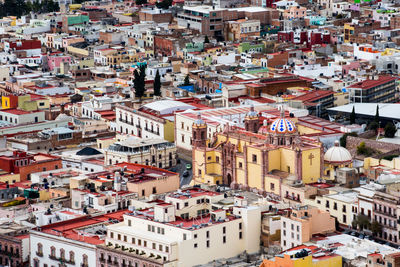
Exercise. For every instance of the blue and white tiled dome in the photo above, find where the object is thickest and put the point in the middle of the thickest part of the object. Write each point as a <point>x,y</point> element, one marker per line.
<point>282,126</point>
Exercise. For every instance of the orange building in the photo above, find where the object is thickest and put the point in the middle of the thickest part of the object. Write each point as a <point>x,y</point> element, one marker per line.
<point>41,162</point>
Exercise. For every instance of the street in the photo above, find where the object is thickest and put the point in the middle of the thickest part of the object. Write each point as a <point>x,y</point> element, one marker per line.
<point>181,168</point>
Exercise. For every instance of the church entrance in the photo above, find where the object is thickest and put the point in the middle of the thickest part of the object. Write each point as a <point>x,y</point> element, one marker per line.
<point>229,179</point>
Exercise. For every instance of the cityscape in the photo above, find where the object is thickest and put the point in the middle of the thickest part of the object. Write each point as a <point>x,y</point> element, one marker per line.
<point>200,133</point>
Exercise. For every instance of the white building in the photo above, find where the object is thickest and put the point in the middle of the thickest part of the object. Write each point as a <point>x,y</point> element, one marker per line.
<point>156,232</point>
<point>18,116</point>
<point>314,70</point>
<point>152,120</point>
<point>70,242</point>
<point>46,217</point>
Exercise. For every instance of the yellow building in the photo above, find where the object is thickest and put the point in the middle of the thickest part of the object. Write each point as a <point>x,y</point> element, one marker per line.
<point>336,157</point>
<point>304,256</point>
<point>25,102</point>
<point>348,32</point>
<point>258,157</point>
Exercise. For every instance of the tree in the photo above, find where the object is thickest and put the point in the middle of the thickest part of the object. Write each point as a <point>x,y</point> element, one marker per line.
<point>186,82</point>
<point>390,130</point>
<point>141,2</point>
<point>373,125</point>
<point>353,116</point>
<point>206,40</point>
<point>376,228</point>
<point>157,84</point>
<point>362,222</point>
<point>376,119</point>
<point>139,82</point>
<point>165,4</point>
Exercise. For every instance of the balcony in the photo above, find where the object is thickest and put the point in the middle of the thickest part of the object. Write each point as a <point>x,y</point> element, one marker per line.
<point>294,198</point>
<point>387,214</point>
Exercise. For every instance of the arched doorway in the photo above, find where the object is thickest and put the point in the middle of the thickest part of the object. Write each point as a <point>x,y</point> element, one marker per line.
<point>229,179</point>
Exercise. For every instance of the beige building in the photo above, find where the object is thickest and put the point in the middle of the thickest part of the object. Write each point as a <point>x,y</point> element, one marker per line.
<point>343,205</point>
<point>156,233</point>
<point>154,152</point>
<point>301,223</point>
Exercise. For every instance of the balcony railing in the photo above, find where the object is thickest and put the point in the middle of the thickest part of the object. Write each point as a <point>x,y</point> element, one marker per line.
<point>294,198</point>
<point>380,211</point>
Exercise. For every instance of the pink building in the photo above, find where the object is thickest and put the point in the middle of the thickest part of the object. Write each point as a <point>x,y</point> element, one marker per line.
<point>295,12</point>
<point>299,224</point>
<point>55,60</point>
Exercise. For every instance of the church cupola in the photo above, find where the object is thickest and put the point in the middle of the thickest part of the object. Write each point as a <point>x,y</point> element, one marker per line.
<point>282,130</point>
<point>251,121</point>
<point>199,132</point>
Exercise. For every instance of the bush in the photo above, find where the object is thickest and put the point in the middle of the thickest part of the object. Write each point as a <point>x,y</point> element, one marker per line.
<point>390,130</point>
<point>362,149</point>
<point>373,125</point>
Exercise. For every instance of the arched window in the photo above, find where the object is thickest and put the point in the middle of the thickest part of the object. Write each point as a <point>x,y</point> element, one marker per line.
<point>39,249</point>
<point>62,254</point>
<point>52,251</point>
<point>71,256</point>
<point>85,260</point>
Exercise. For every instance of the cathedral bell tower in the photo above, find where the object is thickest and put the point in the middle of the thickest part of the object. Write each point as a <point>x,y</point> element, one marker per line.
<point>251,121</point>
<point>199,133</point>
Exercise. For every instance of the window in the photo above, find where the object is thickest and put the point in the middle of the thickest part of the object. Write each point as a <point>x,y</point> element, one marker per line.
<point>254,158</point>
<point>217,159</point>
<point>240,235</point>
<point>39,249</point>
<point>52,251</point>
<point>272,186</point>
<point>71,256</point>
<point>208,234</point>
<point>62,254</point>
<point>85,259</point>
<point>240,226</point>
<point>208,243</point>
<point>184,236</point>
<point>195,245</point>
<point>224,230</point>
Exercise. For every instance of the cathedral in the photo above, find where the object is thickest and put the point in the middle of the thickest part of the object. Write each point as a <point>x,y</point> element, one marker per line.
<point>257,158</point>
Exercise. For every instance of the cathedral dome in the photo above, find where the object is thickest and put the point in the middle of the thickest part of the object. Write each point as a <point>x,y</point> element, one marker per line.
<point>337,154</point>
<point>282,126</point>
